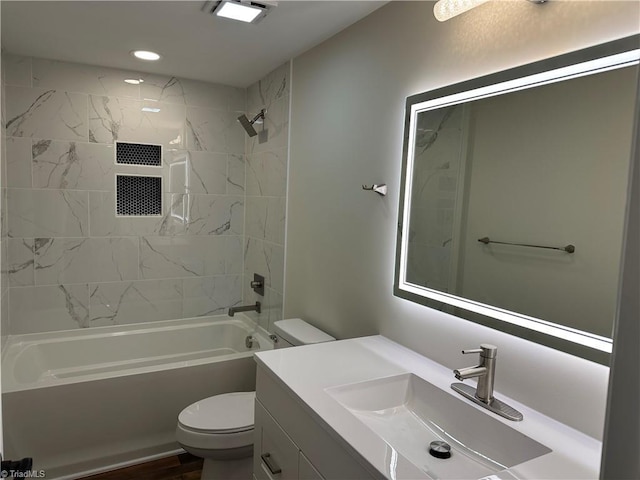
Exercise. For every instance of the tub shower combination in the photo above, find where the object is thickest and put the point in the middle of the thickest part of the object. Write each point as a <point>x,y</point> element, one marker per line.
<point>84,401</point>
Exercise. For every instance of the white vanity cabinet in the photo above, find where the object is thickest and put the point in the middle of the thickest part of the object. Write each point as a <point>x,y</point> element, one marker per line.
<point>312,420</point>
<point>289,444</point>
<point>274,453</point>
<point>306,471</point>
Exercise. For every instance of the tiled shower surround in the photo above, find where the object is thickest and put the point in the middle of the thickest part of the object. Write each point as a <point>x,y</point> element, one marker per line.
<point>432,246</point>
<point>266,189</point>
<point>72,263</point>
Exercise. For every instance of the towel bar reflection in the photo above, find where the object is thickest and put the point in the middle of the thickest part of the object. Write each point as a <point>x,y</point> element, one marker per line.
<point>567,248</point>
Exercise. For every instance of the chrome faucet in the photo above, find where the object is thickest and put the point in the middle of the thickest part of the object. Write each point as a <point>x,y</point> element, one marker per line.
<point>247,308</point>
<point>485,373</point>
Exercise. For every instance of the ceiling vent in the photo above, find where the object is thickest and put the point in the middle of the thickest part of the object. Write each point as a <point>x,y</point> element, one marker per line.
<point>240,10</point>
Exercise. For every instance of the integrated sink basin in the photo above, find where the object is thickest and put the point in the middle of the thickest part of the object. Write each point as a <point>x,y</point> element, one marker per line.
<point>409,413</point>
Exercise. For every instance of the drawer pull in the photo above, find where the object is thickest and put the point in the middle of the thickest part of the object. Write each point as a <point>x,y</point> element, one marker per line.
<point>271,465</point>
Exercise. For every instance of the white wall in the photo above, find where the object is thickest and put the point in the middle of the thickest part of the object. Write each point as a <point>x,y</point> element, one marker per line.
<point>346,129</point>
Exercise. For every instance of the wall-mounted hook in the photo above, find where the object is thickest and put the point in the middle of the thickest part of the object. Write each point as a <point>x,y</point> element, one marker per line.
<point>379,189</point>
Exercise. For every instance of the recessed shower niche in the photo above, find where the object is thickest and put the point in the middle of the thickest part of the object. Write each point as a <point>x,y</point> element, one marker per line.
<point>138,195</point>
<point>143,154</point>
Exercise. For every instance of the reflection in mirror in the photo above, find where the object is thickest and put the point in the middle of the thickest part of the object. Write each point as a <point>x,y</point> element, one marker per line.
<point>544,166</point>
<point>515,202</point>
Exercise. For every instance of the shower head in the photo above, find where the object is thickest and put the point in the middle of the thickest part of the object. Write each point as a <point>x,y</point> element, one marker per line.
<point>248,124</point>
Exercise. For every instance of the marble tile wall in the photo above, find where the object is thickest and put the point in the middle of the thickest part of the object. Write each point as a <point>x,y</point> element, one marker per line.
<point>69,262</point>
<point>266,190</point>
<point>436,174</point>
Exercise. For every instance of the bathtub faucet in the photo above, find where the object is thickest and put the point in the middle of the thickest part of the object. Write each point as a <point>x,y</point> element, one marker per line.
<point>246,308</point>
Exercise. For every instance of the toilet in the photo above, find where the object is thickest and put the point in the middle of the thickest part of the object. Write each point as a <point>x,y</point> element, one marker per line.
<point>219,429</point>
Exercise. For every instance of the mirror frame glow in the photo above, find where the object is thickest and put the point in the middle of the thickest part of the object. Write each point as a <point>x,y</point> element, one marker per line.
<point>609,56</point>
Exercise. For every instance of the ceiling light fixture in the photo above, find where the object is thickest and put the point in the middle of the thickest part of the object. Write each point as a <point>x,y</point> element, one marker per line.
<point>133,81</point>
<point>242,10</point>
<point>146,55</point>
<point>443,10</point>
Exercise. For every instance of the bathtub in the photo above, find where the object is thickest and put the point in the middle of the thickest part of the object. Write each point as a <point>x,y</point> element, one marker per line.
<point>84,401</point>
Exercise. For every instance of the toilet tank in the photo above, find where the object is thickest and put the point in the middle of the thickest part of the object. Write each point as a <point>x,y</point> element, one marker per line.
<point>295,331</point>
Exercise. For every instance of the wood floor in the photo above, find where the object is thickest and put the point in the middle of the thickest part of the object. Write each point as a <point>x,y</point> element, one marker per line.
<point>178,467</point>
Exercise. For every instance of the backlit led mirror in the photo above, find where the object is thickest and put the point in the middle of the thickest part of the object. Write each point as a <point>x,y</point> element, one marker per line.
<point>514,193</point>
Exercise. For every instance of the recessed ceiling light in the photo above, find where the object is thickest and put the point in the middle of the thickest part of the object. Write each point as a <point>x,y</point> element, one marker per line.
<point>243,11</point>
<point>133,81</point>
<point>150,109</point>
<point>146,55</point>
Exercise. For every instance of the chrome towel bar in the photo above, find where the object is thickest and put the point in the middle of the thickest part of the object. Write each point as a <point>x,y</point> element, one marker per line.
<point>568,248</point>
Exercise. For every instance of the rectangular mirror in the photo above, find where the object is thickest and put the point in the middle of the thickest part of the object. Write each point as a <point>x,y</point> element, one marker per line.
<point>514,194</point>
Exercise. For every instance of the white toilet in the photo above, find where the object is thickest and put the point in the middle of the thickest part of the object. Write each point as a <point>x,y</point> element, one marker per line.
<point>220,428</point>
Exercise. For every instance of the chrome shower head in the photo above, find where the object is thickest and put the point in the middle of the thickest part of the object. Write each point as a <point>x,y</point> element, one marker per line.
<point>248,124</point>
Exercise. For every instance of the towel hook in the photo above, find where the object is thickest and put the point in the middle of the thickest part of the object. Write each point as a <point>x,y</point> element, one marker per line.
<point>379,189</point>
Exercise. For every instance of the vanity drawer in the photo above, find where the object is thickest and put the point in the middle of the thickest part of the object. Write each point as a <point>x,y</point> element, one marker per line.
<point>306,470</point>
<point>275,456</point>
<point>330,455</point>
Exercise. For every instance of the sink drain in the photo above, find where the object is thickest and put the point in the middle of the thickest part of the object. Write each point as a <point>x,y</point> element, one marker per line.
<point>440,449</point>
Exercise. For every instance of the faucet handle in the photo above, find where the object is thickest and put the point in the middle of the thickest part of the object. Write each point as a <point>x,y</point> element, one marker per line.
<point>486,350</point>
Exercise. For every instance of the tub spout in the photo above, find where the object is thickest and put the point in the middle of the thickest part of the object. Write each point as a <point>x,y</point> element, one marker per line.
<point>247,308</point>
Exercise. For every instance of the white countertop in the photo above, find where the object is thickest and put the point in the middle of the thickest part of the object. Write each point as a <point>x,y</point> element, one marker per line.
<point>307,371</point>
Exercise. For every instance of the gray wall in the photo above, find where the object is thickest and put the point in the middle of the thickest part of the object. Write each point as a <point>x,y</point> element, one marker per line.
<point>346,129</point>
<point>4,316</point>
<point>622,432</point>
<point>562,167</point>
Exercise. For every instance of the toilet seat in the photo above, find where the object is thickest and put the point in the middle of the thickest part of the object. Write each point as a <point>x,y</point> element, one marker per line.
<point>220,422</point>
<point>221,414</point>
<point>213,441</point>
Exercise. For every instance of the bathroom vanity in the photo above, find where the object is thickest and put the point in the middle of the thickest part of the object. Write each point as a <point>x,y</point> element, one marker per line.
<point>369,408</point>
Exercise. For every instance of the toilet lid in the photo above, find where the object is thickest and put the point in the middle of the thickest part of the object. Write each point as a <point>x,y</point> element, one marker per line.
<point>226,413</point>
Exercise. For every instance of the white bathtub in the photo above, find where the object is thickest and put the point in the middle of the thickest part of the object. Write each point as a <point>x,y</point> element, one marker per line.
<point>85,401</point>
